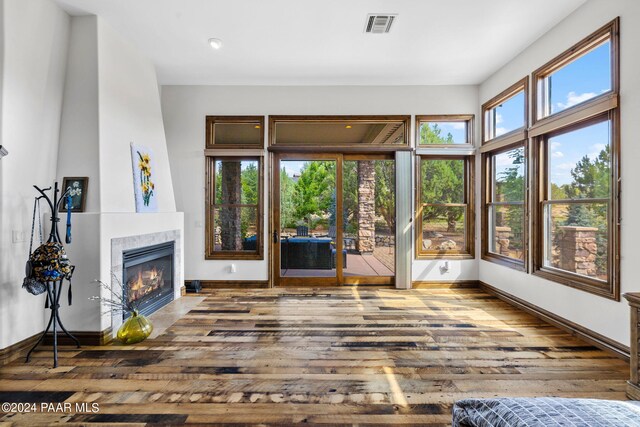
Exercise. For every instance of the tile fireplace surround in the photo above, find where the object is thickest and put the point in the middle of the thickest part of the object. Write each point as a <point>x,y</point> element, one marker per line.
<point>121,244</point>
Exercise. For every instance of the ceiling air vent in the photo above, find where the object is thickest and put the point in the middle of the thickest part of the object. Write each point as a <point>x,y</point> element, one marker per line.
<point>379,24</point>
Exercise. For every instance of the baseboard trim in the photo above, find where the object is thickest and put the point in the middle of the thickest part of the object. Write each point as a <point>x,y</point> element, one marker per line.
<point>633,391</point>
<point>586,334</point>
<point>232,284</point>
<point>86,338</point>
<point>445,284</point>
<point>17,350</point>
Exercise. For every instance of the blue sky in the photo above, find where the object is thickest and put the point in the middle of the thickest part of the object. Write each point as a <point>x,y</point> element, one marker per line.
<point>458,130</point>
<point>510,114</point>
<point>567,149</point>
<point>580,80</point>
<point>292,166</point>
<point>583,79</point>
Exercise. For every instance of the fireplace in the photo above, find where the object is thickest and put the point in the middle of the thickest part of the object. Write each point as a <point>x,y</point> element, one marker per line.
<point>148,277</point>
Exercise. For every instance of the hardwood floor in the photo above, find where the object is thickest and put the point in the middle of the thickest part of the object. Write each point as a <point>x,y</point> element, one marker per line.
<point>326,356</point>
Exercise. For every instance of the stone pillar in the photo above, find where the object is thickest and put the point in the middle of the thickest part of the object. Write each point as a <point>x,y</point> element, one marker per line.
<point>366,206</point>
<point>503,236</point>
<point>578,250</point>
<point>230,218</point>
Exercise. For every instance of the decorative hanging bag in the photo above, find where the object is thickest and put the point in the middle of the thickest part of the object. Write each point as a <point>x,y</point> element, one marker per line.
<point>30,283</point>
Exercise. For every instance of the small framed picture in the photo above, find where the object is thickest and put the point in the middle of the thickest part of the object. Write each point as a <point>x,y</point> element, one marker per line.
<point>78,190</point>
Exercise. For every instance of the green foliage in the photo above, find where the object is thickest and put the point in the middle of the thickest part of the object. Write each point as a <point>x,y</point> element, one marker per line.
<point>249,180</point>
<point>443,182</point>
<point>249,193</point>
<point>558,192</point>
<point>510,187</point>
<point>386,192</point>
<point>432,134</point>
<point>314,189</point>
<point>350,196</point>
<point>287,200</point>
<point>249,184</point>
<point>591,180</point>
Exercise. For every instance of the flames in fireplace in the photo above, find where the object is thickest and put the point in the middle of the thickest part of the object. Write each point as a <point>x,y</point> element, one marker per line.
<point>144,283</point>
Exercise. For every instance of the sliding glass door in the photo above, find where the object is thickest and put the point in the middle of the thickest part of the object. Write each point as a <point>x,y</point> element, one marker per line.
<point>333,219</point>
<point>369,212</point>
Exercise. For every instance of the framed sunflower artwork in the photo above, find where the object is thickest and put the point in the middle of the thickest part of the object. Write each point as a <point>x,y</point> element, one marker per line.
<point>144,178</point>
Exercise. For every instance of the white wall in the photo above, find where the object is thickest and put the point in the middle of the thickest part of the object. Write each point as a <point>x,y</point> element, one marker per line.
<point>185,107</point>
<point>35,49</point>
<point>79,133</point>
<point>607,317</point>
<point>129,112</point>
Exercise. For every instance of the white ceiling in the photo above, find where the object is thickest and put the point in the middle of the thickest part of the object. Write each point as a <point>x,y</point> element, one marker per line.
<point>304,42</point>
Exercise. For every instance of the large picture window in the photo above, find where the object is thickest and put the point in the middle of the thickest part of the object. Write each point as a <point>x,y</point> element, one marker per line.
<point>576,146</point>
<point>504,206</point>
<point>444,227</point>
<point>234,208</point>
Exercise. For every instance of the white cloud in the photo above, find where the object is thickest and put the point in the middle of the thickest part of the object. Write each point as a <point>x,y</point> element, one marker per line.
<point>557,154</point>
<point>499,118</point>
<point>453,125</point>
<point>574,99</point>
<point>458,125</point>
<point>500,131</point>
<point>564,166</point>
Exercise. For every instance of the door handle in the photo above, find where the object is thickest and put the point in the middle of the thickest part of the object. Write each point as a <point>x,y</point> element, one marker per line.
<point>275,237</point>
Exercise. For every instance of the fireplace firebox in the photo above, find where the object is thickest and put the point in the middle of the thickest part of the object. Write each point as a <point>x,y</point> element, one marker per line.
<point>148,277</point>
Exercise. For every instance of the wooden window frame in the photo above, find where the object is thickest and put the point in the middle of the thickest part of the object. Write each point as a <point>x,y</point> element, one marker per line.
<point>611,32</point>
<point>514,135</point>
<point>487,196</point>
<point>611,288</point>
<point>211,121</point>
<point>210,206</point>
<point>601,108</point>
<point>469,119</point>
<point>469,194</point>
<point>344,148</point>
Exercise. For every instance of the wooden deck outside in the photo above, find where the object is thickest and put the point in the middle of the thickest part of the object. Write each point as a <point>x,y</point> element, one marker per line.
<point>324,356</point>
<point>357,265</point>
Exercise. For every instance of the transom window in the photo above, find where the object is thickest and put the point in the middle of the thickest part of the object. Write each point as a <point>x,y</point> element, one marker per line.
<point>445,207</point>
<point>444,130</point>
<point>581,74</point>
<point>235,132</point>
<point>506,114</point>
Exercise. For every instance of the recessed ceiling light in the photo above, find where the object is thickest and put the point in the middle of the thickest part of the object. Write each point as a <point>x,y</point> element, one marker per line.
<point>215,43</point>
<point>347,127</point>
<point>257,126</point>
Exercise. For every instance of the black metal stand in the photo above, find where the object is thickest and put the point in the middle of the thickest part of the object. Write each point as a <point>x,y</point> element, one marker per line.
<point>54,289</point>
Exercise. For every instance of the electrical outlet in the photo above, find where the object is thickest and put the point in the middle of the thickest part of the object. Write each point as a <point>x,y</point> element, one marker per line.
<point>19,236</point>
